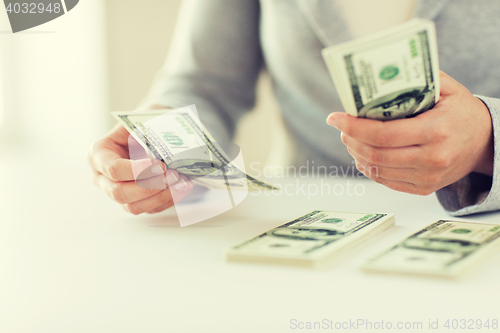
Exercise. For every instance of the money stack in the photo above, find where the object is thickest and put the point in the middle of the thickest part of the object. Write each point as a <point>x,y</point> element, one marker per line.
<point>389,75</point>
<point>311,240</point>
<point>444,248</point>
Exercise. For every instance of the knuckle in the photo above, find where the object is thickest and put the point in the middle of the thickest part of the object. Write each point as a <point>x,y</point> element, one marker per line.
<point>90,152</point>
<point>347,128</point>
<point>360,167</point>
<point>343,138</point>
<point>373,171</point>
<point>158,200</point>
<point>163,197</point>
<point>113,171</point>
<point>149,192</point>
<point>92,149</point>
<point>373,155</point>
<point>116,193</point>
<point>376,179</point>
<point>440,132</point>
<point>95,180</point>
<point>440,159</point>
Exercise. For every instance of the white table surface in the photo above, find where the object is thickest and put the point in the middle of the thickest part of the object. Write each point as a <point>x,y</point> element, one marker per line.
<point>72,261</point>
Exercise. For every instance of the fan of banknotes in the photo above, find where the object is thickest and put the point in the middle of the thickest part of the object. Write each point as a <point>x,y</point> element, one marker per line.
<point>389,75</point>
<point>179,139</point>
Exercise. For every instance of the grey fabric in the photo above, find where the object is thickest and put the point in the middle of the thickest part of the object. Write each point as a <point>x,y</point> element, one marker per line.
<point>220,46</point>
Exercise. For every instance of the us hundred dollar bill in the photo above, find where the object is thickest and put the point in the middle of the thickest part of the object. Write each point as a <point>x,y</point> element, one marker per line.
<point>389,75</point>
<point>311,240</point>
<point>444,248</point>
<point>178,138</point>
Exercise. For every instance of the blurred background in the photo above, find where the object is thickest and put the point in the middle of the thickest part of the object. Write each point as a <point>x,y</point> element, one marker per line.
<point>59,81</point>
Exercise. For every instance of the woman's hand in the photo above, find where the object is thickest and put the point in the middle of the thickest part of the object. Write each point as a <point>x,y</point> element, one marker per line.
<point>423,154</point>
<point>139,186</point>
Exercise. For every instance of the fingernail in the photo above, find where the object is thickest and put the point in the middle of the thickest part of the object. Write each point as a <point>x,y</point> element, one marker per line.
<point>157,169</point>
<point>332,121</point>
<point>172,178</point>
<point>182,185</point>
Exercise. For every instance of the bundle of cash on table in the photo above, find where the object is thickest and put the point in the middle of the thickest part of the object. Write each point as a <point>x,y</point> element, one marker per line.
<point>311,240</point>
<point>444,248</point>
<point>389,75</point>
<point>179,139</point>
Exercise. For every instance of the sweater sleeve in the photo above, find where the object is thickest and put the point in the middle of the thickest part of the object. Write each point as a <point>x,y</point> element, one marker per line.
<point>477,193</point>
<point>214,62</point>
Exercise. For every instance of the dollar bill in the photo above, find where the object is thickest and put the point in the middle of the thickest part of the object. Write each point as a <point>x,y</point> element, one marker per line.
<point>444,248</point>
<point>392,74</point>
<point>178,138</point>
<point>311,240</point>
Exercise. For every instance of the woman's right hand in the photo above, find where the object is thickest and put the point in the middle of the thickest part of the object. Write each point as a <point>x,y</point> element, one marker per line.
<point>139,186</point>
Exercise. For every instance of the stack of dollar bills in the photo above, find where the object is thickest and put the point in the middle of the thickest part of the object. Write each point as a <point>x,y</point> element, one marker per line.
<point>311,240</point>
<point>389,75</point>
<point>444,248</point>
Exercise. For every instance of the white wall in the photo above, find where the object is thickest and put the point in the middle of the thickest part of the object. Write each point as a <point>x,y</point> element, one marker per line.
<point>55,83</point>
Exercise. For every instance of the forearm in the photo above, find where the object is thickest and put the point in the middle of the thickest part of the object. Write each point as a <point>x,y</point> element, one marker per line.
<point>212,65</point>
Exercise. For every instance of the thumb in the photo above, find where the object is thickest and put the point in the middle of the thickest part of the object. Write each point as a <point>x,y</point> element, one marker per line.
<point>337,119</point>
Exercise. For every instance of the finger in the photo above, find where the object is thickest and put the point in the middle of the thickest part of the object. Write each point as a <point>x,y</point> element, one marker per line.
<point>108,162</point>
<point>404,187</point>
<point>448,85</point>
<point>374,171</point>
<point>398,185</point>
<point>400,157</point>
<point>119,134</point>
<point>181,188</point>
<point>177,196</point>
<point>130,191</point>
<point>125,192</point>
<point>175,193</point>
<point>394,133</point>
<point>110,156</point>
<point>162,207</point>
<point>159,182</point>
